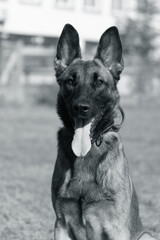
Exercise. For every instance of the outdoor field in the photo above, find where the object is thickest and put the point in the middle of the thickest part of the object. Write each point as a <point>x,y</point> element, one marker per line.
<point>27,157</point>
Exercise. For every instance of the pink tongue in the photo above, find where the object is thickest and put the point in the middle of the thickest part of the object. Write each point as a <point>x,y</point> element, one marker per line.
<point>81,143</point>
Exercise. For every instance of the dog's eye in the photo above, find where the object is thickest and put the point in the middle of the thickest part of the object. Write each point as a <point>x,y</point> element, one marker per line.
<point>70,81</point>
<point>98,82</point>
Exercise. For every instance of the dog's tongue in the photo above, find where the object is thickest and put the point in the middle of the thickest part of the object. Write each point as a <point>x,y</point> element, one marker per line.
<point>81,143</point>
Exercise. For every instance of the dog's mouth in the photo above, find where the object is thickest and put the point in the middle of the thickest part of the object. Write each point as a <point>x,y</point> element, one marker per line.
<point>87,131</point>
<point>81,143</point>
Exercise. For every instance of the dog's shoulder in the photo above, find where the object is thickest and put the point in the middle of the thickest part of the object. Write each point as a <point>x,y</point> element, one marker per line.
<point>112,170</point>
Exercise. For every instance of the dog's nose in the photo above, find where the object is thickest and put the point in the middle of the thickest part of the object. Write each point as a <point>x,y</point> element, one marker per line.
<point>81,108</point>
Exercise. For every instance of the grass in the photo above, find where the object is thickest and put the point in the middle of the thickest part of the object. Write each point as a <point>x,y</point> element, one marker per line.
<point>27,156</point>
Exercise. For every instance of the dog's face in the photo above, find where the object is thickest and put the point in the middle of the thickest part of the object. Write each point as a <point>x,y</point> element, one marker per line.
<point>88,88</point>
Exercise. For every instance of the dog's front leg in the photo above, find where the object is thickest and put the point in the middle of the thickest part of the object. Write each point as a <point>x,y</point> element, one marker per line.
<point>69,221</point>
<point>67,207</point>
<point>112,177</point>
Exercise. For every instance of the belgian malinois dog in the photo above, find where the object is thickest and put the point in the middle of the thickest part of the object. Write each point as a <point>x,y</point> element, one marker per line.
<point>92,192</point>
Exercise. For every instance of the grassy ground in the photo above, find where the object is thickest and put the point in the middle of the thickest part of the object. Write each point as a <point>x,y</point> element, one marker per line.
<point>27,156</point>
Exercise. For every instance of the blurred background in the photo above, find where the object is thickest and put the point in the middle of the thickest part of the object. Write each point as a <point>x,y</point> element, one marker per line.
<point>29,31</point>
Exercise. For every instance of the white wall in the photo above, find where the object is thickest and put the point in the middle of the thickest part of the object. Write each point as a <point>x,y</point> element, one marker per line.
<point>47,20</point>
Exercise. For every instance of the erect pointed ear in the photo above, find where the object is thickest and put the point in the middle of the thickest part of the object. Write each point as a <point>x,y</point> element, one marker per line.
<point>68,48</point>
<point>109,51</point>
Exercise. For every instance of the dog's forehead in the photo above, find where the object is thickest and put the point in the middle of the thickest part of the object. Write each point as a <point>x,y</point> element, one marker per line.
<point>88,67</point>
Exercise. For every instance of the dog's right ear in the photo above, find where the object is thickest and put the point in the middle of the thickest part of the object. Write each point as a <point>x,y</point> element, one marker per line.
<point>68,48</point>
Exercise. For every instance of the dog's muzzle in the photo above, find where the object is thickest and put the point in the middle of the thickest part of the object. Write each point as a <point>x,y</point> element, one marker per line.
<point>81,108</point>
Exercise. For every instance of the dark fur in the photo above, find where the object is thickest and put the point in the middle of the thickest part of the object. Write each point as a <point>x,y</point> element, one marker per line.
<point>93,196</point>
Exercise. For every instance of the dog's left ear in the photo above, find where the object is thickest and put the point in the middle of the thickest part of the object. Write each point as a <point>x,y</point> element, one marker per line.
<point>109,51</point>
<point>68,48</point>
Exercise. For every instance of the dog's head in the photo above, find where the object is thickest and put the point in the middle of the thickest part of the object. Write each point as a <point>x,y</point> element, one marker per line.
<point>88,89</point>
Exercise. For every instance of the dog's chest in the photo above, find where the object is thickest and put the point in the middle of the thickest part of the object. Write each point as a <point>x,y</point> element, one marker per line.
<point>84,171</point>
<point>82,178</point>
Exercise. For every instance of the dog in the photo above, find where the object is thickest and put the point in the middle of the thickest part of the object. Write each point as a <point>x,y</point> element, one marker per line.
<point>92,192</point>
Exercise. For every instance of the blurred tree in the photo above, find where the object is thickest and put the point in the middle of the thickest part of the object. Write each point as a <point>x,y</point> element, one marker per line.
<point>139,43</point>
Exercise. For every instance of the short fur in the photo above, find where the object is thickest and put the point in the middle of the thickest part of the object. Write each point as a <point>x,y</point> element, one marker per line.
<point>93,196</point>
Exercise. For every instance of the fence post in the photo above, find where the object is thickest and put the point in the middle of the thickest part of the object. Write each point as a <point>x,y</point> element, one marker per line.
<point>12,76</point>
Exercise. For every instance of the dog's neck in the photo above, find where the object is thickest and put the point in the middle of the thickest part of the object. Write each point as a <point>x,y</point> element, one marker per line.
<point>111,120</point>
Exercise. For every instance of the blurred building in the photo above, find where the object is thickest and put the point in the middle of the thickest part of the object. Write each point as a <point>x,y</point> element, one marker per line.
<point>46,18</point>
<point>28,25</point>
